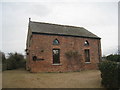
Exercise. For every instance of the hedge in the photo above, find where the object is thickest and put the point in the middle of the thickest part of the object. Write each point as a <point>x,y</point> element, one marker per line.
<point>110,74</point>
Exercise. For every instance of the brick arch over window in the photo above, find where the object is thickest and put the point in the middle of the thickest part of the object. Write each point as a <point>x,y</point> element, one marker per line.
<point>86,43</point>
<point>56,42</point>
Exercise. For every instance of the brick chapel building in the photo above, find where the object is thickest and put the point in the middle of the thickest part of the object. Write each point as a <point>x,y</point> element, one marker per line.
<point>61,48</point>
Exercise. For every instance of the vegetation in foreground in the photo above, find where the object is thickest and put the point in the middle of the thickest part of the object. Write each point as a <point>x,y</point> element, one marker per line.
<point>110,71</point>
<point>14,61</point>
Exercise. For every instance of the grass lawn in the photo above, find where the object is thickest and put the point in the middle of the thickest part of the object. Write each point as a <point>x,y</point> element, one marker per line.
<point>24,79</point>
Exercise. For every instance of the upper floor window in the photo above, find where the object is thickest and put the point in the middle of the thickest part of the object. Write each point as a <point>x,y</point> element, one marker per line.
<point>86,43</point>
<point>55,42</point>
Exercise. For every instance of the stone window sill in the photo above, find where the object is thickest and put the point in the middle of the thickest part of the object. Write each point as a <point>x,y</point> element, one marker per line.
<point>56,44</point>
<point>88,62</point>
<point>57,64</point>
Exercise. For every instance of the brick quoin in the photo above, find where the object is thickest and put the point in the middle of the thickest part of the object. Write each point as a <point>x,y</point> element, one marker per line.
<point>41,46</point>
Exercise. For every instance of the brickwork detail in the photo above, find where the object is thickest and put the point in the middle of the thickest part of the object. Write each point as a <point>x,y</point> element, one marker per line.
<point>42,46</point>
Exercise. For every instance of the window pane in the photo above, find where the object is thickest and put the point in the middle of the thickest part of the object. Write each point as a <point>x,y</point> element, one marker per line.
<point>55,42</point>
<point>86,43</point>
<point>87,55</point>
<point>56,56</point>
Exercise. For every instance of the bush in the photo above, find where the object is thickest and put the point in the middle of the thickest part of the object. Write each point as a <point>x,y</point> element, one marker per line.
<point>3,61</point>
<point>109,74</point>
<point>115,57</point>
<point>72,54</point>
<point>4,67</point>
<point>15,60</point>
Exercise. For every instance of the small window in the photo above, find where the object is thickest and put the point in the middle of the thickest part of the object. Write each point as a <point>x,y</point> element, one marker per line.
<point>27,53</point>
<point>34,58</point>
<point>86,43</point>
<point>55,42</point>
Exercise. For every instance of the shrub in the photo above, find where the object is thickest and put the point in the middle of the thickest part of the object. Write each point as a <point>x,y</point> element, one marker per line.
<point>3,61</point>
<point>109,74</point>
<point>72,54</point>
<point>74,60</point>
<point>115,57</point>
<point>4,67</point>
<point>15,60</point>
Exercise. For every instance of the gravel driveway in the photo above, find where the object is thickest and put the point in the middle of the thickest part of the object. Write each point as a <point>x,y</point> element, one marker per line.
<point>24,79</point>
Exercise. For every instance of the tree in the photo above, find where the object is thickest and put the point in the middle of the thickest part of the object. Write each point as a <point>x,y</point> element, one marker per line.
<point>15,60</point>
<point>2,57</point>
<point>3,61</point>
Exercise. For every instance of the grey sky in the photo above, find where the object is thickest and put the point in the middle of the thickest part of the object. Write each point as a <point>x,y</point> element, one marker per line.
<point>101,18</point>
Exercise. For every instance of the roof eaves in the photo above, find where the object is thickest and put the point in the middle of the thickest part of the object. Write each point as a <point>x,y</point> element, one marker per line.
<point>65,35</point>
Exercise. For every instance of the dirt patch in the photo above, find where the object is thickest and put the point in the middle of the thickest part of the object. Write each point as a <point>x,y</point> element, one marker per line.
<point>23,79</point>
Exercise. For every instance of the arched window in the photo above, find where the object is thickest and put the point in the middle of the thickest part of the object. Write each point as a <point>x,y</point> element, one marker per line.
<point>55,42</point>
<point>86,43</point>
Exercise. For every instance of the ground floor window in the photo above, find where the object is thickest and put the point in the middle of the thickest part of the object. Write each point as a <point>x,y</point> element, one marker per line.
<point>56,56</point>
<point>87,55</point>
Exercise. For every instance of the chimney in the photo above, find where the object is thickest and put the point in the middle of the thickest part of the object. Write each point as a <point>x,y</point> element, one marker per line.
<point>29,19</point>
<point>29,22</point>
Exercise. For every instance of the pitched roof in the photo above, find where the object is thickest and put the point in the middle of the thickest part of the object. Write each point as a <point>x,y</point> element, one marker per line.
<point>47,28</point>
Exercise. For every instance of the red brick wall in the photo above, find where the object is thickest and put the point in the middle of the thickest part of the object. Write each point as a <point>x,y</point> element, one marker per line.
<point>45,43</point>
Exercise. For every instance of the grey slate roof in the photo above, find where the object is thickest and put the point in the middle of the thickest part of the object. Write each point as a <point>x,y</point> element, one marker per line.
<point>47,28</point>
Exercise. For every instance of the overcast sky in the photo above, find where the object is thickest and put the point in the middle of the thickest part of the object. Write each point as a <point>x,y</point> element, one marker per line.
<point>101,18</point>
